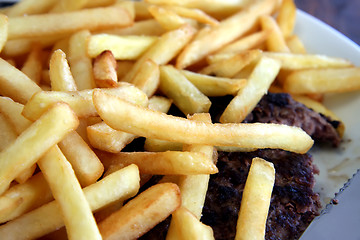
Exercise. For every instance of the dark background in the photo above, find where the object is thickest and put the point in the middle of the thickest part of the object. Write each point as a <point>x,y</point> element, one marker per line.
<point>343,15</point>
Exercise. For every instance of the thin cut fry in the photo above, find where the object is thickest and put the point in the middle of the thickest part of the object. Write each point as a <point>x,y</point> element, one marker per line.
<point>167,18</point>
<point>105,70</point>
<point>295,44</point>
<point>149,27</point>
<point>33,64</point>
<point>287,17</point>
<point>276,41</point>
<point>3,30</point>
<point>30,7</point>
<point>147,78</point>
<point>60,74</point>
<point>193,13</point>
<point>68,5</point>
<point>7,133</point>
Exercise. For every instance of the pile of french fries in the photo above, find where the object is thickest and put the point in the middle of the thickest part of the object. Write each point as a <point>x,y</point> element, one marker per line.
<point>80,80</point>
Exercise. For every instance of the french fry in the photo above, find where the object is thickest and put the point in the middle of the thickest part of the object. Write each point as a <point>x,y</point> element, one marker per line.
<point>159,103</point>
<point>3,30</point>
<point>256,200</point>
<point>258,84</point>
<point>117,186</point>
<point>99,3</point>
<point>193,13</point>
<point>156,145</point>
<point>123,47</point>
<point>33,64</point>
<point>30,7</point>
<point>163,163</point>
<point>68,6</point>
<point>168,19</point>
<point>123,68</point>
<point>48,130</point>
<point>24,197</point>
<point>147,78</point>
<point>184,94</point>
<point>149,27</point>
<point>60,74</point>
<point>80,62</point>
<point>287,17</point>
<point>13,82</point>
<point>276,41</point>
<point>227,31</point>
<point>67,23</point>
<point>124,116</point>
<point>295,44</point>
<point>142,213</point>
<point>7,133</point>
<point>105,74</point>
<point>214,86</point>
<point>323,80</point>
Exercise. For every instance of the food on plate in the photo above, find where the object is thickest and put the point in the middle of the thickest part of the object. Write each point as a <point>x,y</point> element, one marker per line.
<point>161,120</point>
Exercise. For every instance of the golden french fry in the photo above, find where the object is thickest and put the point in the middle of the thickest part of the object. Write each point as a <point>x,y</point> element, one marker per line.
<point>15,84</point>
<point>33,64</point>
<point>227,31</point>
<point>256,200</point>
<point>276,41</point>
<point>3,30</point>
<point>193,13</point>
<point>295,44</point>
<point>123,47</point>
<point>147,78</point>
<point>164,163</point>
<point>60,74</point>
<point>257,85</point>
<point>149,27</point>
<point>124,116</point>
<point>117,186</point>
<point>67,23</point>
<point>323,80</point>
<point>287,17</point>
<point>68,6</point>
<point>142,213</point>
<point>156,145</point>
<point>48,130</point>
<point>99,3</point>
<point>214,86</point>
<point>159,103</point>
<point>123,68</point>
<point>167,18</point>
<point>7,133</point>
<point>30,7</point>
<point>105,74</point>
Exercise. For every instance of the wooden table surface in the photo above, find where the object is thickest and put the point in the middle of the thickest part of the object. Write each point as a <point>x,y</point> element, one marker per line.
<point>343,15</point>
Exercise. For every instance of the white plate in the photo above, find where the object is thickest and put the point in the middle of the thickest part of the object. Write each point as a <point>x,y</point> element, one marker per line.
<point>336,165</point>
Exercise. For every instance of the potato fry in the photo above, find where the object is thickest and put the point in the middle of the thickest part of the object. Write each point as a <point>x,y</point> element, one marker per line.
<point>193,13</point>
<point>67,23</point>
<point>142,213</point>
<point>123,68</point>
<point>48,130</point>
<point>147,78</point>
<point>256,200</point>
<point>159,103</point>
<point>163,163</point>
<point>24,197</point>
<point>60,74</point>
<point>184,94</point>
<point>124,116</point>
<point>227,31</point>
<point>117,186</point>
<point>99,3</point>
<point>3,30</point>
<point>156,145</point>
<point>276,41</point>
<point>7,133</point>
<point>105,74</point>
<point>33,64</point>
<point>12,112</point>
<point>167,18</point>
<point>323,80</point>
<point>295,44</point>
<point>123,47</point>
<point>30,7</point>
<point>287,17</point>
<point>15,84</point>
<point>258,84</point>
<point>214,86</point>
<point>161,52</point>
<point>149,27</point>
<point>68,6</point>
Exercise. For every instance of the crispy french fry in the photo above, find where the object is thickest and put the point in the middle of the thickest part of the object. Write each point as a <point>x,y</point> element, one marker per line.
<point>68,6</point>
<point>3,30</point>
<point>99,3</point>
<point>287,17</point>
<point>123,47</point>
<point>30,7</point>
<point>256,200</point>
<point>117,186</point>
<point>67,23</point>
<point>193,13</point>
<point>227,31</point>
<point>184,94</point>
<point>147,78</point>
<point>214,86</point>
<point>323,80</point>
<point>48,130</point>
<point>60,74</point>
<point>159,103</point>
<point>295,44</point>
<point>149,27</point>
<point>12,111</point>
<point>156,145</point>
<point>124,116</point>
<point>7,133</point>
<point>167,18</point>
<point>142,213</point>
<point>276,41</point>
<point>123,68</point>
<point>105,74</point>
<point>33,64</point>
<point>258,84</point>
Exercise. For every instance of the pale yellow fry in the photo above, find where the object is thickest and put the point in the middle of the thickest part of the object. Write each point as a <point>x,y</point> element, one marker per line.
<point>147,78</point>
<point>257,85</point>
<point>164,49</point>
<point>117,186</point>
<point>231,66</point>
<point>30,7</point>
<point>67,23</point>
<point>184,225</point>
<point>33,64</point>
<point>227,31</point>
<point>80,101</point>
<point>156,145</point>
<point>15,84</point>
<point>104,70</point>
<point>77,215</point>
<point>286,17</point>
<point>99,3</point>
<point>214,86</point>
<point>164,163</point>
<point>123,47</point>
<point>3,30</point>
<point>7,133</point>
<point>124,116</point>
<point>323,80</point>
<point>193,13</point>
<point>185,95</point>
<point>24,197</point>
<point>68,5</point>
<point>60,75</point>
<point>295,44</point>
<point>48,130</point>
<point>80,62</point>
<point>26,174</point>
<point>167,18</point>
<point>276,41</point>
<point>159,103</point>
<point>256,200</point>
<point>142,213</point>
<point>149,27</point>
